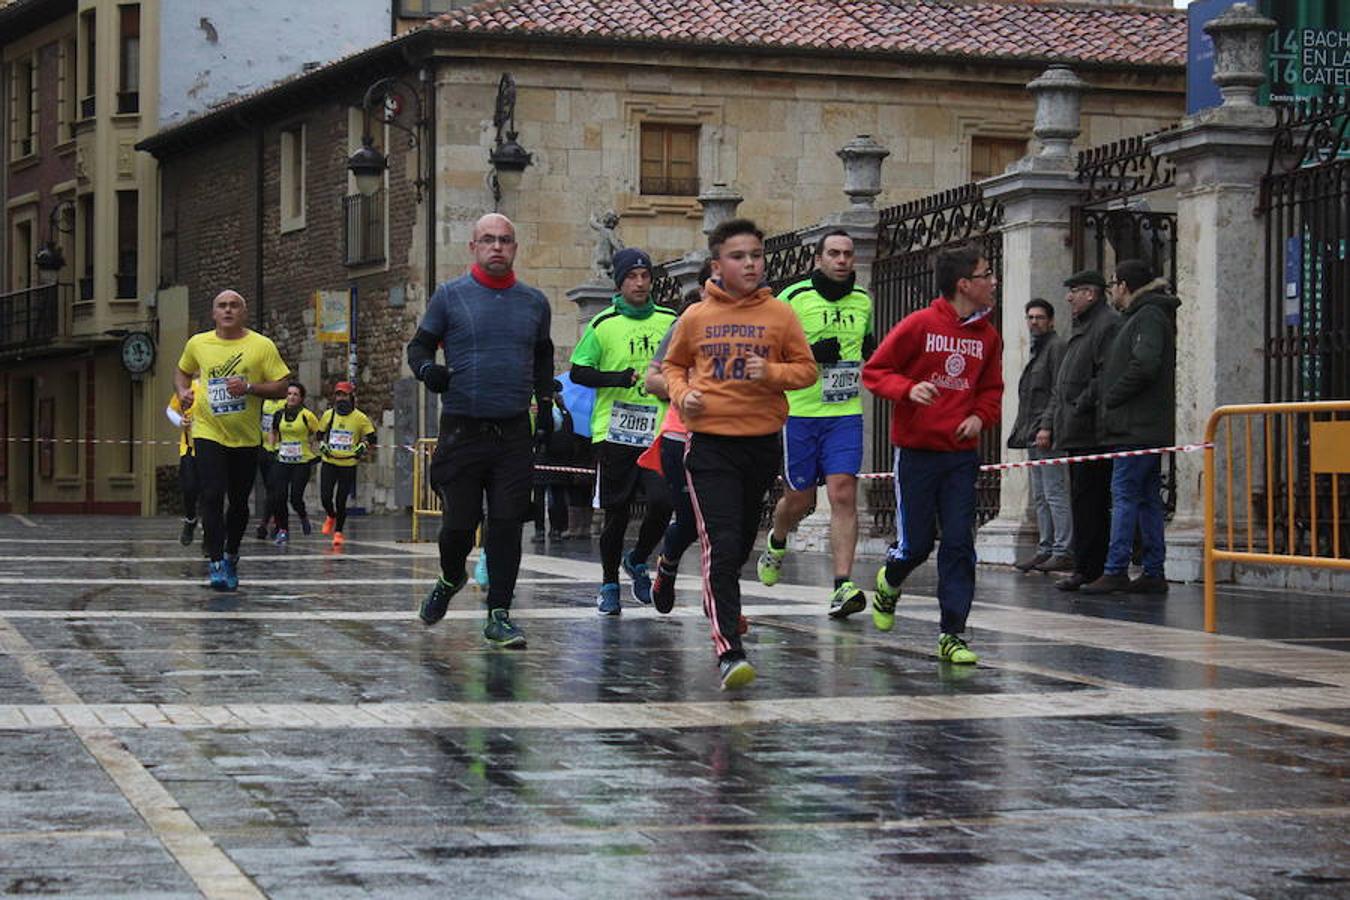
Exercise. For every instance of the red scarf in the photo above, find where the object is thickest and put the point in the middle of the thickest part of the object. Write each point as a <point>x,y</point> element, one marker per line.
<point>492,281</point>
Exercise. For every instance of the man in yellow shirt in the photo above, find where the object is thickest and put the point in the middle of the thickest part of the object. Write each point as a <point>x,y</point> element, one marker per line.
<point>238,368</point>
<point>187,463</point>
<point>344,430</point>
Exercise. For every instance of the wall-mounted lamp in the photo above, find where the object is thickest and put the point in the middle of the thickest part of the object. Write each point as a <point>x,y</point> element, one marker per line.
<point>508,158</point>
<point>61,219</point>
<point>386,99</point>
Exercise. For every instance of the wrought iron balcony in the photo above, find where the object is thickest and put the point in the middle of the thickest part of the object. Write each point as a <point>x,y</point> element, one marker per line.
<point>363,229</point>
<point>34,316</point>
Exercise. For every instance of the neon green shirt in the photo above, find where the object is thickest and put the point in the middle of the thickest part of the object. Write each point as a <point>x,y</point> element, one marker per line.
<point>621,338</point>
<point>227,420</point>
<point>838,390</point>
<point>293,446</point>
<point>342,434</point>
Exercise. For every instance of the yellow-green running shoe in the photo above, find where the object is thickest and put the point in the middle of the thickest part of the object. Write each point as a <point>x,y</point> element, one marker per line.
<point>770,565</point>
<point>952,648</point>
<point>883,602</point>
<point>847,600</point>
<point>736,674</point>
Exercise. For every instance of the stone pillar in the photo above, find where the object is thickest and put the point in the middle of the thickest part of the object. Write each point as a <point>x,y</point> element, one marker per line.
<point>719,204</point>
<point>1038,193</point>
<point>1221,156</point>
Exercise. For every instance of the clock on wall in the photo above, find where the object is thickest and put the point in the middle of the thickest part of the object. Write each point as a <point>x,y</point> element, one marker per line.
<point>138,352</point>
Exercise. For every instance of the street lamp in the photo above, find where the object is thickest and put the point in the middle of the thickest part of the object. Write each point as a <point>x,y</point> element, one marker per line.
<point>385,99</point>
<point>50,258</point>
<point>508,157</point>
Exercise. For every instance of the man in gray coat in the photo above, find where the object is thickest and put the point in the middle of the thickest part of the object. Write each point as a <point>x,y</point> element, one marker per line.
<point>1138,411</point>
<point>1049,484</point>
<point>1073,423</point>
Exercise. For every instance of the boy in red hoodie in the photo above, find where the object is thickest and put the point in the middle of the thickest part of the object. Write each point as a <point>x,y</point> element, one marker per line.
<point>942,370</point>
<point>730,360</point>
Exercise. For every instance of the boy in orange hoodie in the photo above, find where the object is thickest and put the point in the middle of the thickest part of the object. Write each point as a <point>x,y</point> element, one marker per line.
<point>730,360</point>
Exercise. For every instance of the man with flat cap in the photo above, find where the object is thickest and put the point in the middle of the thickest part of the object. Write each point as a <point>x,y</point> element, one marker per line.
<point>1073,423</point>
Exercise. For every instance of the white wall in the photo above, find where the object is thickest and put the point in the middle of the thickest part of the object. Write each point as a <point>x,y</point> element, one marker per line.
<point>212,50</point>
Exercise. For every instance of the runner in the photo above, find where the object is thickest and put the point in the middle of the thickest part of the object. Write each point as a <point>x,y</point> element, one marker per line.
<point>613,352</point>
<point>188,483</point>
<point>495,334</point>
<point>267,458</point>
<point>343,430</point>
<point>293,431</point>
<point>823,438</point>
<point>226,429</point>
<point>941,369</point>
<point>729,363</point>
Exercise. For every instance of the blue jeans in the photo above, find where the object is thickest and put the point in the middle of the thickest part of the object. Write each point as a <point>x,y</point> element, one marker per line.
<point>1136,502</point>
<point>937,488</point>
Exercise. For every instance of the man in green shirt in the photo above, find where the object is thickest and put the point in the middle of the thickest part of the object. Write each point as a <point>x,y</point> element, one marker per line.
<point>823,438</point>
<point>611,356</point>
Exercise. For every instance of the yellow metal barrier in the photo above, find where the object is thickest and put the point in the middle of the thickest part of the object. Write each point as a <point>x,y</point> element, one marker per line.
<point>426,499</point>
<point>1295,451</point>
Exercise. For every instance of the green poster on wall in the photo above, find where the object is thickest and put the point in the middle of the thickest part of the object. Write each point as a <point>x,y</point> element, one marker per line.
<point>1310,48</point>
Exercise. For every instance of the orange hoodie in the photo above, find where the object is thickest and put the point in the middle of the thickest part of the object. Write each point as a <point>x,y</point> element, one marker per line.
<point>707,353</point>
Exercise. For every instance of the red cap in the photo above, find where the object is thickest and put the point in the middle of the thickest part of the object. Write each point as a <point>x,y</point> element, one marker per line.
<point>345,386</point>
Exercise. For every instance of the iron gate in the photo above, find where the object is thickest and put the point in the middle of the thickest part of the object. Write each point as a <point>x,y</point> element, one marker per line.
<point>910,236</point>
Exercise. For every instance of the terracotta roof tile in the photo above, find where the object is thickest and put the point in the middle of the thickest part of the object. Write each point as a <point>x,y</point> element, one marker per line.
<point>1011,29</point>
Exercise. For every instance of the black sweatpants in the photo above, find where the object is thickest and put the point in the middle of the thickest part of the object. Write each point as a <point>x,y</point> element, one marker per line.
<point>729,478</point>
<point>554,497</point>
<point>474,459</point>
<point>682,530</point>
<point>289,481</point>
<point>1090,497</point>
<point>335,486</point>
<point>189,484</point>
<point>225,473</point>
<point>618,477</point>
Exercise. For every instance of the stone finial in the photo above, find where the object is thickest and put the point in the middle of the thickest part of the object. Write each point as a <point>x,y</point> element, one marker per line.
<point>719,204</point>
<point>1239,37</point>
<point>862,158</point>
<point>1058,103</point>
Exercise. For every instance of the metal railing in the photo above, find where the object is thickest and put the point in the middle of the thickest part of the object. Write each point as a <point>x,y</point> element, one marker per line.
<point>426,500</point>
<point>363,231</point>
<point>1288,476</point>
<point>34,316</point>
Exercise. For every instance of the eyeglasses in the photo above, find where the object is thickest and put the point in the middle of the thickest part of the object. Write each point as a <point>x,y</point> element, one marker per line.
<point>504,240</point>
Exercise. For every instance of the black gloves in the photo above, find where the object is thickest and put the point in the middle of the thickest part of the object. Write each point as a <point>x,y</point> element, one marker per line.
<point>826,351</point>
<point>543,418</point>
<point>436,377</point>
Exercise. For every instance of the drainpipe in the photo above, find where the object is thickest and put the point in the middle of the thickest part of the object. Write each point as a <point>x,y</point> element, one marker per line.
<point>259,150</point>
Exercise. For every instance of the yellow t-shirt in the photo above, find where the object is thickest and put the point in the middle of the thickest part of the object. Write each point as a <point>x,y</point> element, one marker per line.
<point>269,409</point>
<point>185,434</point>
<point>343,433</point>
<point>294,445</point>
<point>230,421</point>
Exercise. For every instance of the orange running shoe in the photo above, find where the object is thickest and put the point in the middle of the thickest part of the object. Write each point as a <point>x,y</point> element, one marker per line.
<point>338,540</point>
<point>329,524</point>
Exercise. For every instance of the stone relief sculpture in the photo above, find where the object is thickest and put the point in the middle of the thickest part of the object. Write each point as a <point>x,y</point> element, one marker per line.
<point>607,243</point>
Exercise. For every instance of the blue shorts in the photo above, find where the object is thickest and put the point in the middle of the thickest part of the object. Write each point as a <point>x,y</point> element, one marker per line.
<point>814,447</point>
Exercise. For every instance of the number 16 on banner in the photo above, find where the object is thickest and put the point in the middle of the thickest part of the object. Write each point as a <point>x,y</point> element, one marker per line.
<point>332,316</point>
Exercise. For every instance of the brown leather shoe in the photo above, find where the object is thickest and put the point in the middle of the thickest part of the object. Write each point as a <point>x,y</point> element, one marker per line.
<point>1107,584</point>
<point>1148,584</point>
<point>1059,563</point>
<point>1072,583</point>
<point>1030,563</point>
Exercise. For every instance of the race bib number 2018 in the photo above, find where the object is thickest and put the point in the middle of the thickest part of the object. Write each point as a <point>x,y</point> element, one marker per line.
<point>222,404</point>
<point>840,382</point>
<point>632,424</point>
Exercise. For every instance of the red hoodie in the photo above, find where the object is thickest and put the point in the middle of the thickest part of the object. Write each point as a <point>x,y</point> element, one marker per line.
<point>963,360</point>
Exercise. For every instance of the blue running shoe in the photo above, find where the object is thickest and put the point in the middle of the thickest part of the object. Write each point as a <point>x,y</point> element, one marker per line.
<point>480,574</point>
<point>642,582</point>
<point>217,574</point>
<point>607,603</point>
<point>231,564</point>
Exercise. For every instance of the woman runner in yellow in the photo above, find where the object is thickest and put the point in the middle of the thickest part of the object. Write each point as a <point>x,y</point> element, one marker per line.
<point>293,430</point>
<point>344,430</point>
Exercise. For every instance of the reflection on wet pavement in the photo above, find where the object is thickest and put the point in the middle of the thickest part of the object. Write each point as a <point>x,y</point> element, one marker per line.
<point>308,737</point>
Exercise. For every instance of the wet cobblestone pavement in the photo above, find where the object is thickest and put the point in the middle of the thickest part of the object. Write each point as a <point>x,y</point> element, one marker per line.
<point>308,737</point>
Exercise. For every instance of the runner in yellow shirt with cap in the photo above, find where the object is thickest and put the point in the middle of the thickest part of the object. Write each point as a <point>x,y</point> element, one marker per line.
<point>346,433</point>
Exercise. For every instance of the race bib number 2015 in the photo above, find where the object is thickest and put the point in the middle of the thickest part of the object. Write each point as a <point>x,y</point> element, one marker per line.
<point>840,382</point>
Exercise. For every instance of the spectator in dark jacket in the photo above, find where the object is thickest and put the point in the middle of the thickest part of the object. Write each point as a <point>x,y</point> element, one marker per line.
<point>1049,484</point>
<point>1073,423</point>
<point>1138,411</point>
<point>558,447</point>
